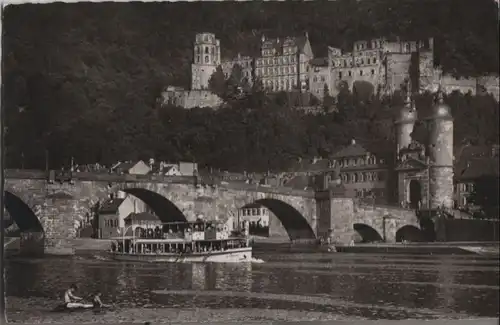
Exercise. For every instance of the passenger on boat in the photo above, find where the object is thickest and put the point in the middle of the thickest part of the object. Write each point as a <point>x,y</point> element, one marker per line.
<point>70,299</point>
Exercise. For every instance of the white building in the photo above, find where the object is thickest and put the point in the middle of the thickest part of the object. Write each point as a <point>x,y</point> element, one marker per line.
<point>257,217</point>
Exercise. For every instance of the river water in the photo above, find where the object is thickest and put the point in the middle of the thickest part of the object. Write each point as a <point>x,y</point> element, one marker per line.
<point>280,285</point>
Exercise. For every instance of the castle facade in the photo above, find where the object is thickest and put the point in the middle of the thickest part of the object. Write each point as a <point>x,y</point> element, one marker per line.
<point>288,64</point>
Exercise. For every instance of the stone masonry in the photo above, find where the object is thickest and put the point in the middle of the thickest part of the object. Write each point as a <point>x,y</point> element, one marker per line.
<point>60,206</point>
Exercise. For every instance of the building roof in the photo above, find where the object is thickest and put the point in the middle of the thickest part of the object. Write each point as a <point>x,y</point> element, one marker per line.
<point>141,216</point>
<point>279,42</point>
<point>252,206</point>
<point>477,167</point>
<point>352,150</point>
<point>126,165</point>
<point>306,165</point>
<point>111,206</point>
<point>319,62</point>
<point>298,182</point>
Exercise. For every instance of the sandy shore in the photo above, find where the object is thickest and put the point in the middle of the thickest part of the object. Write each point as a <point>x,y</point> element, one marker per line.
<point>214,316</point>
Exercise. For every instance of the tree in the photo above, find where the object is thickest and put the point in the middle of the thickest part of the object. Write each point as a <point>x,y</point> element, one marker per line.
<point>485,195</point>
<point>217,83</point>
<point>328,100</point>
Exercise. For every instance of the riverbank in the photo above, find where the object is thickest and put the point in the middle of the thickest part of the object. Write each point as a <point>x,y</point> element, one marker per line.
<point>23,312</point>
<point>454,248</point>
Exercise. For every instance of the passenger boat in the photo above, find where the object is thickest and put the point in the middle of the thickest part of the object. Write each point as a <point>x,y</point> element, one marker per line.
<point>183,242</point>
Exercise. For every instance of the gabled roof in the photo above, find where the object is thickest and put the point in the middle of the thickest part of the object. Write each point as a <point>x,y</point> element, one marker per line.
<point>127,165</point>
<point>111,206</point>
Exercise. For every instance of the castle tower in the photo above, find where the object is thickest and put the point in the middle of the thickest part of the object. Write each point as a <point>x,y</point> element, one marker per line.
<point>206,58</point>
<point>405,122</point>
<point>440,155</point>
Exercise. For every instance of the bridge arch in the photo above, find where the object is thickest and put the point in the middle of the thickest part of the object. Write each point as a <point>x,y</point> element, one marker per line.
<point>410,233</point>
<point>295,224</point>
<point>21,213</point>
<point>165,209</point>
<point>367,233</point>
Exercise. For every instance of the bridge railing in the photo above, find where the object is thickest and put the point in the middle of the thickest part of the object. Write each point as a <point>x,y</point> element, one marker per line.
<point>207,180</point>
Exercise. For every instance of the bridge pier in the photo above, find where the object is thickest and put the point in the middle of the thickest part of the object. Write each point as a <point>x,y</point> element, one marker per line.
<point>58,217</point>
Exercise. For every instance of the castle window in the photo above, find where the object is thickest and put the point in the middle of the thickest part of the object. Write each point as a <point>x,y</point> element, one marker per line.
<point>373,72</point>
<point>361,177</point>
<point>275,61</point>
<point>323,78</point>
<point>197,50</point>
<point>353,178</point>
<point>350,74</point>
<point>206,38</point>
<point>281,70</point>
<point>340,75</point>
<point>213,50</point>
<point>362,61</point>
<point>206,50</point>
<point>293,69</point>
<point>198,58</point>
<point>345,63</point>
<point>207,59</point>
<point>407,47</point>
<point>287,84</point>
<point>285,59</point>
<point>292,59</point>
<point>374,60</point>
<point>360,72</point>
<point>368,60</point>
<point>286,70</point>
<point>315,79</point>
<point>276,70</point>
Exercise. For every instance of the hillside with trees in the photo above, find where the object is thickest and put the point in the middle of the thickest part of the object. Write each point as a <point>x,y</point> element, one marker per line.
<point>82,80</point>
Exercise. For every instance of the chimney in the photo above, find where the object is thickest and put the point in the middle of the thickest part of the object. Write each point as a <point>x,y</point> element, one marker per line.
<point>353,142</point>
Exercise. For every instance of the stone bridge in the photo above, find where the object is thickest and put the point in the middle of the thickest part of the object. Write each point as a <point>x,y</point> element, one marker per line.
<point>57,206</point>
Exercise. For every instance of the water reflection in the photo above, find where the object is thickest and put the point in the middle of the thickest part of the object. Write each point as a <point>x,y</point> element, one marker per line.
<point>356,285</point>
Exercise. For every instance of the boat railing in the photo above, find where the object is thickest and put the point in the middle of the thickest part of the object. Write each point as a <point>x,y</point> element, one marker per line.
<point>176,246</point>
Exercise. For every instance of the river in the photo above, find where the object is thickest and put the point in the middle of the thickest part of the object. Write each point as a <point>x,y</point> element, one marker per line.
<point>280,285</point>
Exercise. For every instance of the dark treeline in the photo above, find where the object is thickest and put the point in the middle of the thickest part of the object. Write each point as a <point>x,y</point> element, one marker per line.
<point>82,80</point>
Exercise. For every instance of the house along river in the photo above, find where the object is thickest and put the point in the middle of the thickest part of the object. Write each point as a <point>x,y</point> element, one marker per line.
<point>280,285</point>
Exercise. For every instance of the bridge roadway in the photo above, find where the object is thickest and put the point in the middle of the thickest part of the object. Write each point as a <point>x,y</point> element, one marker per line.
<point>54,208</point>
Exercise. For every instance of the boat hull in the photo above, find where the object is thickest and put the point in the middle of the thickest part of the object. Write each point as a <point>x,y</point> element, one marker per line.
<point>227,256</point>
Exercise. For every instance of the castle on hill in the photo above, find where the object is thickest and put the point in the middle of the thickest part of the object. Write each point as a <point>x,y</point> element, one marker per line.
<point>288,64</point>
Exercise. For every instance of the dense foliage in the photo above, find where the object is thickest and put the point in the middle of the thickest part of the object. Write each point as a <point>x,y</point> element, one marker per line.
<point>83,79</point>
<point>485,195</point>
